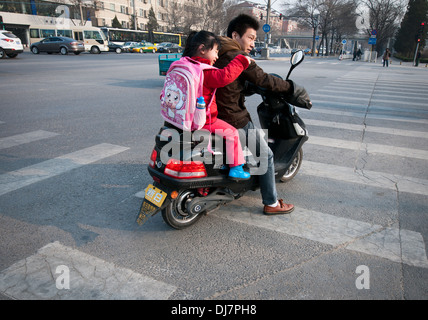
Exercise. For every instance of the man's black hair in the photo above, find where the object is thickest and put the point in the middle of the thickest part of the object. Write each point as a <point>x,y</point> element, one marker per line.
<point>241,23</point>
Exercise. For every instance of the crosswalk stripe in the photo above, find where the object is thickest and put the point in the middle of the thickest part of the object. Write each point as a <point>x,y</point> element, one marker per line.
<point>375,93</point>
<point>363,106</point>
<point>43,276</point>
<point>402,86</point>
<point>339,85</point>
<point>405,102</point>
<point>362,114</point>
<point>350,90</point>
<point>399,94</point>
<point>376,85</point>
<point>23,138</point>
<point>403,246</point>
<point>361,127</point>
<point>371,148</point>
<point>366,177</point>
<point>23,177</point>
<point>369,98</point>
<point>361,96</point>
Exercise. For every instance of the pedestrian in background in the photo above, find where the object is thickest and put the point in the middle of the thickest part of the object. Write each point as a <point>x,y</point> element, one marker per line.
<point>359,53</point>
<point>386,57</point>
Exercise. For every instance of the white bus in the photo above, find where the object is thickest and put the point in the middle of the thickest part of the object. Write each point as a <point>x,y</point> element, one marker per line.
<point>120,36</point>
<point>92,37</point>
<point>33,28</point>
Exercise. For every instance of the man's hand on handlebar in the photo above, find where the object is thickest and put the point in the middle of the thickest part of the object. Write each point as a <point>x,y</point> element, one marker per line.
<point>298,96</point>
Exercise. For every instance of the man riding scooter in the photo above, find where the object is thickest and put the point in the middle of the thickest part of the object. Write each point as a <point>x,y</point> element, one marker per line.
<point>241,35</point>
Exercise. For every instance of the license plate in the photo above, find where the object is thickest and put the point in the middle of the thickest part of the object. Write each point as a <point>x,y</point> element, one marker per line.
<point>146,211</point>
<point>155,195</point>
<point>153,200</point>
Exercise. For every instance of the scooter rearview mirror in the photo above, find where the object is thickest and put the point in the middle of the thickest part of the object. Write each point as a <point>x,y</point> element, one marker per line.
<point>296,58</point>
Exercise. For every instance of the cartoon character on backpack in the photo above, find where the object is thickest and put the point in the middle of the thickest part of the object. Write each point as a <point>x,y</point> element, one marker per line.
<point>173,103</point>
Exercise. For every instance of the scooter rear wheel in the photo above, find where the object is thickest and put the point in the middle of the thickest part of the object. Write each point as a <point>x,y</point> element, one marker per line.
<point>176,214</point>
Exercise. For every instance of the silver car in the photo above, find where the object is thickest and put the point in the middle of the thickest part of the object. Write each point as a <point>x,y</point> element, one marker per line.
<point>10,45</point>
<point>62,45</point>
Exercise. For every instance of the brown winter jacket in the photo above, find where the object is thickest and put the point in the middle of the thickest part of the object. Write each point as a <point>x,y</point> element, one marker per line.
<point>230,99</point>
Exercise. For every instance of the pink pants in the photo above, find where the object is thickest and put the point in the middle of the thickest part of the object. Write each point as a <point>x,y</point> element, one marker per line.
<point>234,154</point>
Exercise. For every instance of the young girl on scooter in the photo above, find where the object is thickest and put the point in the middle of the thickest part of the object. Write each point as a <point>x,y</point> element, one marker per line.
<point>203,46</point>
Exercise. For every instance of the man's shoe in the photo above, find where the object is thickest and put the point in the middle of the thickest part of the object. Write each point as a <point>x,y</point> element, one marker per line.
<point>281,208</point>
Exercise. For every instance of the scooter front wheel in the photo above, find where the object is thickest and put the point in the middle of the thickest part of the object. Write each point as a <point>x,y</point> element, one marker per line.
<point>294,167</point>
<point>176,214</point>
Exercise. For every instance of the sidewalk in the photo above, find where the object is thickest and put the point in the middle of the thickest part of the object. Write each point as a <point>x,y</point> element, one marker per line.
<point>393,62</point>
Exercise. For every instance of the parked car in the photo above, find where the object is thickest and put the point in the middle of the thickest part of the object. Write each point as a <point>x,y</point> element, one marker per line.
<point>128,45</point>
<point>10,45</point>
<point>144,47</point>
<point>170,48</point>
<point>62,45</point>
<point>309,51</point>
<point>113,47</point>
<point>161,45</point>
<point>256,51</point>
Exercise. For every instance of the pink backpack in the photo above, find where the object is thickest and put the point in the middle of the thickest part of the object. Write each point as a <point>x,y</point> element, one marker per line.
<point>183,86</point>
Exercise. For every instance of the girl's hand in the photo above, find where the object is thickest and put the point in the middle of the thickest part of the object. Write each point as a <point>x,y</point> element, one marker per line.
<point>249,59</point>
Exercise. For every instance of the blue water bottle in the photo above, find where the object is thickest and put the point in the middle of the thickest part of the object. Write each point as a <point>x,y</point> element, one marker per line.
<point>200,103</point>
<point>200,115</point>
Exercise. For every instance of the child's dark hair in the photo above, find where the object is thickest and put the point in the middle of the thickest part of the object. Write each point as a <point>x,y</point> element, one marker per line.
<point>241,23</point>
<point>195,39</point>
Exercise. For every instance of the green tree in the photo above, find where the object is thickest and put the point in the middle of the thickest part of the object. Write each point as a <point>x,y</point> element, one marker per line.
<point>153,24</point>
<point>405,43</point>
<point>115,23</point>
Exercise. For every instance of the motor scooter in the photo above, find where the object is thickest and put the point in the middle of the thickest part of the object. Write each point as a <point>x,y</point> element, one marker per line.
<point>188,171</point>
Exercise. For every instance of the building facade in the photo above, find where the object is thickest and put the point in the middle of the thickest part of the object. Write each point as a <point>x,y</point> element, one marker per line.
<point>127,10</point>
<point>131,14</point>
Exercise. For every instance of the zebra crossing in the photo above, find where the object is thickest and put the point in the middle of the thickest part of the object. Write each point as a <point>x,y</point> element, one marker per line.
<point>374,98</point>
<point>328,61</point>
<point>17,179</point>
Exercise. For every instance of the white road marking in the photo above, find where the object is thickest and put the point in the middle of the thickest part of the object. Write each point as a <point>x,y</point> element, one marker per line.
<point>397,245</point>
<point>366,97</point>
<point>361,114</point>
<point>19,139</point>
<point>366,177</point>
<point>23,177</point>
<point>371,148</point>
<point>90,278</point>
<point>360,127</point>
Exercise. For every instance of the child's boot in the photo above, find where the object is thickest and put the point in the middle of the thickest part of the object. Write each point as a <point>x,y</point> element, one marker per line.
<point>238,173</point>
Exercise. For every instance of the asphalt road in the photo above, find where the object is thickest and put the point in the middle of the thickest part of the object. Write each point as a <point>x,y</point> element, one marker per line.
<point>76,133</point>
